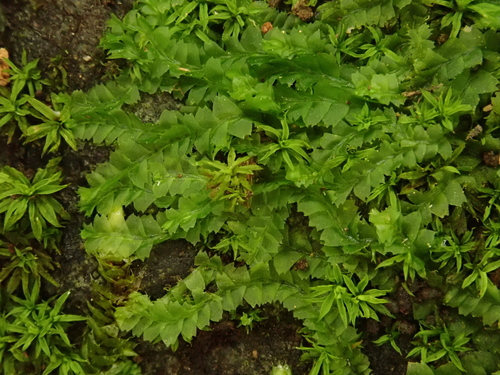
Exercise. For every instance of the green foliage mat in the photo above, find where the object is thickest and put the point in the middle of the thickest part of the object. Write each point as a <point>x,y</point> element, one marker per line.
<point>334,160</point>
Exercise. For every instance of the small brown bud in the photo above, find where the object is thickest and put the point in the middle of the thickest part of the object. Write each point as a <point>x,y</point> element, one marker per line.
<point>266,27</point>
<point>491,159</point>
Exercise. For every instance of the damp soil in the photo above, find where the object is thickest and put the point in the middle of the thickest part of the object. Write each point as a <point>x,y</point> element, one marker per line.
<point>64,35</point>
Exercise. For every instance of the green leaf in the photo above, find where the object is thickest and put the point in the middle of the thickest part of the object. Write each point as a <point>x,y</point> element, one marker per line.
<point>43,109</point>
<point>48,210</point>
<point>327,305</point>
<point>240,128</point>
<point>284,260</point>
<point>195,282</point>
<point>415,368</point>
<point>490,14</point>
<point>254,294</point>
<point>386,224</point>
<point>15,211</point>
<point>135,238</point>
